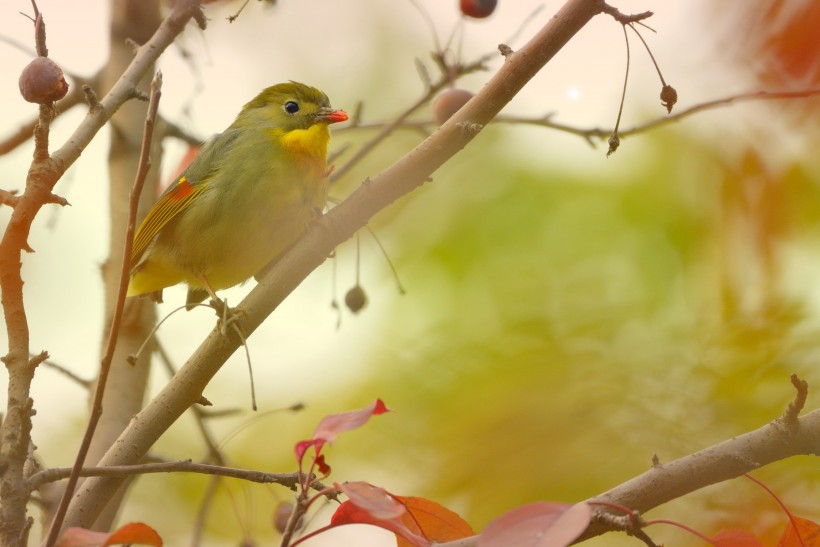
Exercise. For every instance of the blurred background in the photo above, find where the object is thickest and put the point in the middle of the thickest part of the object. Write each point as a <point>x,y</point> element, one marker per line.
<point>566,316</point>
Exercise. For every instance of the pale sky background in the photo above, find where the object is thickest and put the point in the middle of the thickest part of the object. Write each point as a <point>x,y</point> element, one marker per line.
<point>334,46</point>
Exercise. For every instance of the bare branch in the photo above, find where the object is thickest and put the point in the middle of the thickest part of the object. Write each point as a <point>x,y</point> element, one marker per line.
<point>589,134</point>
<point>67,373</point>
<point>177,132</point>
<point>288,480</point>
<point>726,460</point>
<point>9,197</point>
<point>388,128</point>
<point>625,19</point>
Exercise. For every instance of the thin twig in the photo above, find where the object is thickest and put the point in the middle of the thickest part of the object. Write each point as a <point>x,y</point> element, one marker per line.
<point>623,18</point>
<point>614,139</point>
<point>388,128</point>
<point>64,371</point>
<point>176,131</point>
<point>53,474</point>
<point>132,359</point>
<point>649,51</point>
<point>589,134</point>
<point>105,365</point>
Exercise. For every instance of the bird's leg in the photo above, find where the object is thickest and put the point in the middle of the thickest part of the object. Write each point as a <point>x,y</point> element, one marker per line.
<point>226,315</point>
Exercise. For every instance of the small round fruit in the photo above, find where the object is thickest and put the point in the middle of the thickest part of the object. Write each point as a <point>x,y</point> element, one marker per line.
<point>449,102</point>
<point>281,515</point>
<point>478,8</point>
<point>669,96</point>
<point>42,81</point>
<point>356,299</point>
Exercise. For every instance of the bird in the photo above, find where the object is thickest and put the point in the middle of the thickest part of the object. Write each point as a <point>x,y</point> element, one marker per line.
<point>248,195</point>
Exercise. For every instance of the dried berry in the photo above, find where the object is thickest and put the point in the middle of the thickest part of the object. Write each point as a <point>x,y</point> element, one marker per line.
<point>478,8</point>
<point>668,97</point>
<point>356,299</point>
<point>614,142</point>
<point>281,515</point>
<point>42,81</point>
<point>449,102</point>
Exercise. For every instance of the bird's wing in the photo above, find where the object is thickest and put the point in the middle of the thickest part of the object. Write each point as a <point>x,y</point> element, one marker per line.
<point>174,200</point>
<point>179,196</point>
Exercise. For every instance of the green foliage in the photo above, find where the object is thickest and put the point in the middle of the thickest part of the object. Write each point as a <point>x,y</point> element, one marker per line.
<point>559,329</point>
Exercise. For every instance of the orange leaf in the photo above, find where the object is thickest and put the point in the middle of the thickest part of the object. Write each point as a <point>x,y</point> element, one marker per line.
<point>539,524</point>
<point>132,533</point>
<point>800,533</point>
<point>135,532</point>
<point>433,521</point>
<point>735,538</point>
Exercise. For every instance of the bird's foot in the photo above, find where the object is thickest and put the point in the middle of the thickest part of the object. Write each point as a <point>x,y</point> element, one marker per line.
<point>227,317</point>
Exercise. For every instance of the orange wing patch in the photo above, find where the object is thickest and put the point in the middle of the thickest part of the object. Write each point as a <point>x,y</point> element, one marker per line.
<point>169,206</point>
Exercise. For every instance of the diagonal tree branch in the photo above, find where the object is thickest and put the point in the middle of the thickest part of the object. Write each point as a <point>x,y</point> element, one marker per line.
<point>730,459</point>
<point>342,222</point>
<point>777,440</point>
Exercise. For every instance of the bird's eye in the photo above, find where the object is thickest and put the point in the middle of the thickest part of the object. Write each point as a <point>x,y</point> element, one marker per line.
<point>291,107</point>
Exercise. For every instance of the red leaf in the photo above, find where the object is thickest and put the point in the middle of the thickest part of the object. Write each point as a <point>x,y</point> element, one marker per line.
<point>350,513</point>
<point>735,538</point>
<point>322,465</point>
<point>132,533</point>
<point>433,521</point>
<point>800,533</point>
<point>330,426</point>
<point>301,447</point>
<point>539,524</point>
<point>372,499</point>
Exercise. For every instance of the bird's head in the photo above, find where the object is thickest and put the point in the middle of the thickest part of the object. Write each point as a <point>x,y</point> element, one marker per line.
<point>288,107</point>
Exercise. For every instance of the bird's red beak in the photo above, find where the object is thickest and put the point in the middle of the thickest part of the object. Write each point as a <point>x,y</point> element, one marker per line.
<point>333,116</point>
